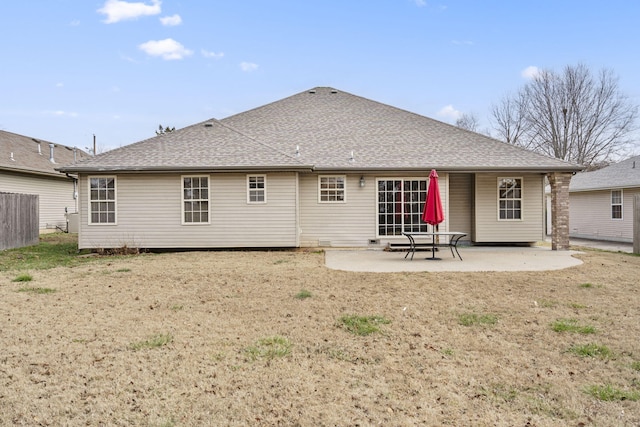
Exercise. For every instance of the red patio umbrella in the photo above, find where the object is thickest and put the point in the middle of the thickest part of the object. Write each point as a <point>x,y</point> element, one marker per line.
<point>433,213</point>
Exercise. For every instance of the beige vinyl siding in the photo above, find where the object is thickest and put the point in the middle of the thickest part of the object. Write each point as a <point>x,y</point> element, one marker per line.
<point>488,228</point>
<point>149,214</point>
<point>460,203</point>
<point>354,222</point>
<point>590,215</point>
<point>55,194</point>
<point>349,223</point>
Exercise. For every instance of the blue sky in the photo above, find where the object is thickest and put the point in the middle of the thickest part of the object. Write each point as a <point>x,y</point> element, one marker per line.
<point>117,69</point>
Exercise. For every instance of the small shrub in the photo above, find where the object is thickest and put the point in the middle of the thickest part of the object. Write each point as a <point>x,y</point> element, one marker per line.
<point>608,393</point>
<point>586,285</point>
<point>591,350</point>
<point>155,341</point>
<point>123,270</point>
<point>470,319</point>
<point>23,278</point>
<point>40,291</point>
<point>363,325</point>
<point>303,294</point>
<point>636,366</point>
<point>269,348</point>
<point>571,325</point>
<point>177,307</point>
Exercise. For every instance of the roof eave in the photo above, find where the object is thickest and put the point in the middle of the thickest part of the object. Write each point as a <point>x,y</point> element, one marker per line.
<point>191,169</point>
<point>457,169</point>
<point>35,172</point>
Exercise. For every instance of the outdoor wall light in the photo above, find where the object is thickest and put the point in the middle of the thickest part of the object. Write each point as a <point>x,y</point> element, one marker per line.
<point>362,181</point>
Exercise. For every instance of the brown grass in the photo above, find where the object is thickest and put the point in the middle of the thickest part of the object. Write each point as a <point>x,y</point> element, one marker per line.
<point>89,354</point>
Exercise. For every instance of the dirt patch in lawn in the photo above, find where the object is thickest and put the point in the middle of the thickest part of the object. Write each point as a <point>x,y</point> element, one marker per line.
<point>267,338</point>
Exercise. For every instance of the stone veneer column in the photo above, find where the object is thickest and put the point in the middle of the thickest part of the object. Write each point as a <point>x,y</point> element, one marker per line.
<point>559,182</point>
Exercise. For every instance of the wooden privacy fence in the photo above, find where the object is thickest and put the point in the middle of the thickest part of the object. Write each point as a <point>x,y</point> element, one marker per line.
<point>19,220</point>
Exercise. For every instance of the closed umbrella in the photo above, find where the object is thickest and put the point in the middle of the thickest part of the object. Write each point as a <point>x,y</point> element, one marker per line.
<point>433,213</point>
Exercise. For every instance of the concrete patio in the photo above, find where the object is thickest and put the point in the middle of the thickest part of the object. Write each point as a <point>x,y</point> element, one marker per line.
<point>475,258</point>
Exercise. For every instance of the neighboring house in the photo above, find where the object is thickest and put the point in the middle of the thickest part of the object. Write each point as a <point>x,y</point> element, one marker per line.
<point>320,168</point>
<point>602,202</point>
<point>27,165</point>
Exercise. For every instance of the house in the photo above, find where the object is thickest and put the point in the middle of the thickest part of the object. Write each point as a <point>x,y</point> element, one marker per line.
<point>27,165</point>
<point>321,168</point>
<point>602,202</point>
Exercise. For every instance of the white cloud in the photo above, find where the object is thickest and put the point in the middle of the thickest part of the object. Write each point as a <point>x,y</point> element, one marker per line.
<point>171,21</point>
<point>248,66</point>
<point>59,84</point>
<point>168,49</point>
<point>117,10</point>
<point>420,3</point>
<point>462,42</point>
<point>213,55</point>
<point>61,113</point>
<point>75,23</point>
<point>449,113</point>
<point>530,72</point>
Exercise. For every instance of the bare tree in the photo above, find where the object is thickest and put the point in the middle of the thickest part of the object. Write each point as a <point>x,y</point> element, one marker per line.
<point>508,119</point>
<point>468,121</point>
<point>574,116</point>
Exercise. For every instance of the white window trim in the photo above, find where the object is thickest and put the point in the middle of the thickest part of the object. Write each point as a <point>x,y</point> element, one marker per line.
<point>621,204</point>
<point>344,190</point>
<point>182,200</point>
<point>394,178</point>
<point>249,189</point>
<point>500,178</point>
<point>115,201</point>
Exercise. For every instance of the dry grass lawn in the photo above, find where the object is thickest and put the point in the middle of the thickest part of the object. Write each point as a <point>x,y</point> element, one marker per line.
<point>231,339</point>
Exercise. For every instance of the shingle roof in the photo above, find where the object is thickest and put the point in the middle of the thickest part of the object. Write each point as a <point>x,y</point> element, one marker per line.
<point>24,154</point>
<point>203,146</point>
<point>625,174</point>
<point>326,129</point>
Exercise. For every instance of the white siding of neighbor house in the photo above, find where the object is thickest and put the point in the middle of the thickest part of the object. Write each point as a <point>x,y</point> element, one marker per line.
<point>489,229</point>
<point>353,223</point>
<point>54,195</point>
<point>149,214</point>
<point>590,215</point>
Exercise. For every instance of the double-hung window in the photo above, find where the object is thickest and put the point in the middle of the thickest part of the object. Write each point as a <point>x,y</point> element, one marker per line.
<point>332,188</point>
<point>616,204</point>
<point>510,198</point>
<point>256,189</point>
<point>102,200</point>
<point>195,199</point>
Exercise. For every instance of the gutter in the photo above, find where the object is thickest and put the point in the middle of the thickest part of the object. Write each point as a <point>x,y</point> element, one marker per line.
<point>182,169</point>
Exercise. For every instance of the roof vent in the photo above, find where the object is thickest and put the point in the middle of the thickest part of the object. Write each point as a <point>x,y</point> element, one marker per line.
<point>208,125</point>
<point>312,91</point>
<point>334,91</point>
<point>51,147</point>
<point>11,157</point>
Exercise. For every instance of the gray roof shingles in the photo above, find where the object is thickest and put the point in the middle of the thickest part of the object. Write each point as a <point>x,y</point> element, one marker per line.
<point>19,153</point>
<point>625,174</point>
<point>327,125</point>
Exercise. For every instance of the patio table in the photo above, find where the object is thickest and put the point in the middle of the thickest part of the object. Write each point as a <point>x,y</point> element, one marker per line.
<point>451,241</point>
